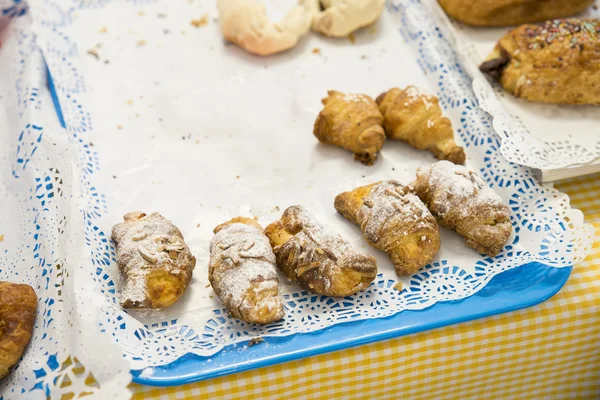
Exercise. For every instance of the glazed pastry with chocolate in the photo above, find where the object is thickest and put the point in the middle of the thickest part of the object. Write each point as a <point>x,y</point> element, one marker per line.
<point>461,201</point>
<point>393,220</point>
<point>511,12</point>
<point>417,119</point>
<point>242,271</point>
<point>319,261</point>
<point>353,122</point>
<point>556,62</point>
<point>155,261</point>
<point>18,305</point>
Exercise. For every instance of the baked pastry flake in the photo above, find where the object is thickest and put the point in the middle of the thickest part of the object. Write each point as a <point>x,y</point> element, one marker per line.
<point>18,305</point>
<point>511,12</point>
<point>353,122</point>
<point>461,201</point>
<point>319,261</point>
<point>416,118</point>
<point>556,62</point>
<point>155,262</point>
<point>393,220</point>
<point>242,271</point>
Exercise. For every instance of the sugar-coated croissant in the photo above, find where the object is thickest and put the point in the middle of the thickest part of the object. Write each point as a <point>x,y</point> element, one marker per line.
<point>18,305</point>
<point>351,121</point>
<point>461,201</point>
<point>319,261</point>
<point>417,119</point>
<point>242,271</point>
<point>155,261</point>
<point>557,62</point>
<point>393,220</point>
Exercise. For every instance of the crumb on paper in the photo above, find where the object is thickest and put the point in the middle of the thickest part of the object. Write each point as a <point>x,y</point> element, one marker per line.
<point>352,38</point>
<point>363,57</point>
<point>104,29</point>
<point>237,177</point>
<point>211,296</point>
<point>255,341</point>
<point>207,285</point>
<point>141,13</point>
<point>398,286</point>
<point>130,102</point>
<point>200,22</point>
<point>94,53</point>
<point>1,238</point>
<point>114,177</point>
<point>275,209</point>
<point>198,225</point>
<point>316,50</point>
<point>161,15</point>
<point>141,43</point>
<point>119,127</point>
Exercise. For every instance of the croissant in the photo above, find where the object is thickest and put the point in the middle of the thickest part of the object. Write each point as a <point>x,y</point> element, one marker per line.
<point>351,121</point>
<point>155,261</point>
<point>18,305</point>
<point>317,260</point>
<point>557,62</point>
<point>342,17</point>
<point>393,220</point>
<point>417,119</point>
<point>245,23</point>
<point>461,201</point>
<point>511,12</point>
<point>242,271</point>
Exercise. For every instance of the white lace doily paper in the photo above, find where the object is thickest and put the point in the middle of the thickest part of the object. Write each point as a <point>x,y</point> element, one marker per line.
<point>558,140</point>
<point>162,115</point>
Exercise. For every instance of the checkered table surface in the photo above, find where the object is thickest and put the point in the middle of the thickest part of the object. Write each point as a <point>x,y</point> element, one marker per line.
<point>550,351</point>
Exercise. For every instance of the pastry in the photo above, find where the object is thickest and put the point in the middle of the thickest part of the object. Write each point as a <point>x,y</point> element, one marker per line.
<point>245,23</point>
<point>155,262</point>
<point>18,305</point>
<point>511,12</point>
<point>556,62</point>
<point>351,121</point>
<point>417,119</point>
<point>242,271</point>
<point>342,17</point>
<point>319,261</point>
<point>460,200</point>
<point>393,220</point>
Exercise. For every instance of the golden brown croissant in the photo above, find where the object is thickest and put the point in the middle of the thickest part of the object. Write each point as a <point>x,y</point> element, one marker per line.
<point>461,201</point>
<point>393,220</point>
<point>242,271</point>
<point>18,305</point>
<point>351,121</point>
<point>317,260</point>
<point>417,119</point>
<point>155,261</point>
<point>557,62</point>
<point>511,12</point>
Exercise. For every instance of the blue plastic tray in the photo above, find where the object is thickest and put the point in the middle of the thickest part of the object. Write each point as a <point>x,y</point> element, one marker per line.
<point>518,288</point>
<point>521,287</point>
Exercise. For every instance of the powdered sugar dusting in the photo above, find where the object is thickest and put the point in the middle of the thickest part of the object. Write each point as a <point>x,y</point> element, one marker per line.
<point>356,98</point>
<point>241,259</point>
<point>388,202</point>
<point>146,243</point>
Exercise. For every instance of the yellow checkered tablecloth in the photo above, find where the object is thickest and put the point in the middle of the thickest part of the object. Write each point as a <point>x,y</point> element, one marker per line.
<point>550,351</point>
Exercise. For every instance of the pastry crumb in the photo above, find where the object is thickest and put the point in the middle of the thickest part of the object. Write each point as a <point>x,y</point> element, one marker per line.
<point>398,286</point>
<point>119,127</point>
<point>94,53</point>
<point>104,29</point>
<point>197,225</point>
<point>352,38</point>
<point>1,238</point>
<point>275,209</point>
<point>255,341</point>
<point>141,13</point>
<point>237,177</point>
<point>316,50</point>
<point>141,43</point>
<point>207,285</point>
<point>197,23</point>
<point>130,102</point>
